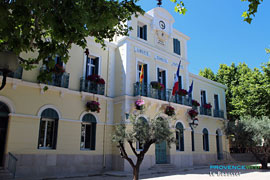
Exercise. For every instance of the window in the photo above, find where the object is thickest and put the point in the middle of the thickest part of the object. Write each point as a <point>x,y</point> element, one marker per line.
<point>216,102</point>
<point>58,61</point>
<point>179,137</point>
<point>88,132</point>
<point>203,98</point>
<point>142,31</point>
<point>48,129</point>
<point>205,140</point>
<point>161,76</point>
<point>141,125</point>
<point>192,139</point>
<point>92,66</point>
<point>144,72</point>
<point>176,46</point>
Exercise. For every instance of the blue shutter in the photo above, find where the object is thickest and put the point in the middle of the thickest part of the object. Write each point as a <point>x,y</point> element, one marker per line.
<point>138,31</point>
<point>145,32</point>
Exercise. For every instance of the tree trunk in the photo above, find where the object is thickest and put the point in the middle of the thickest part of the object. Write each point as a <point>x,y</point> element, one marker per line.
<point>136,171</point>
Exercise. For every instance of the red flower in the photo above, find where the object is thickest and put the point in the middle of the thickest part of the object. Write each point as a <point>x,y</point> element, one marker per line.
<point>157,85</point>
<point>207,106</point>
<point>182,92</point>
<point>195,103</point>
<point>93,106</point>
<point>96,79</point>
<point>193,113</point>
<point>58,69</point>
<point>169,111</point>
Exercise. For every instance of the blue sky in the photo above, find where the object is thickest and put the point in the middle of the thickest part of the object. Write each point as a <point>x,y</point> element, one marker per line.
<point>218,33</point>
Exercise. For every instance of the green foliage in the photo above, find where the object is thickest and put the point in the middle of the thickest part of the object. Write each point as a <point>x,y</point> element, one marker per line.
<point>252,10</point>
<point>50,27</point>
<point>248,90</point>
<point>155,131</point>
<point>258,128</point>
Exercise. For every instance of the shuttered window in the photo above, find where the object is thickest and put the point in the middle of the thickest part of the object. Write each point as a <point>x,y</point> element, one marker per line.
<point>205,140</point>
<point>176,46</point>
<point>142,32</point>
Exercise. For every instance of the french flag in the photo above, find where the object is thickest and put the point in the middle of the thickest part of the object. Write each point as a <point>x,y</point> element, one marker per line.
<point>176,80</point>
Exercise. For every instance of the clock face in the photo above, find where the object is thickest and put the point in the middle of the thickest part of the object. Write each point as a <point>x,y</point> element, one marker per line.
<point>162,25</point>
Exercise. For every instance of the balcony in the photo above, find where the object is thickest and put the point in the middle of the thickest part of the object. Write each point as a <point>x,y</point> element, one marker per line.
<point>204,111</point>
<point>164,95</point>
<point>218,113</point>
<point>17,74</point>
<point>91,87</point>
<point>60,80</point>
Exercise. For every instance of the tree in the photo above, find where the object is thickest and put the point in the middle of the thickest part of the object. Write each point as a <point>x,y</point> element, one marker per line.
<point>248,90</point>
<point>50,27</point>
<point>247,15</point>
<point>254,134</point>
<point>144,134</point>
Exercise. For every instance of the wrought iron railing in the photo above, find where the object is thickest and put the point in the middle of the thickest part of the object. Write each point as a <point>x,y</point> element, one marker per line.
<point>218,113</point>
<point>205,111</point>
<point>60,80</point>
<point>165,94</point>
<point>92,87</point>
<point>16,74</point>
<point>12,162</point>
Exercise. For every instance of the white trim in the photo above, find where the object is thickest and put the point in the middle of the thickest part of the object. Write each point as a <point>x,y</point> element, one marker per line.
<point>86,112</point>
<point>46,107</point>
<point>92,55</point>
<point>208,81</point>
<point>179,121</point>
<point>143,62</point>
<point>9,103</point>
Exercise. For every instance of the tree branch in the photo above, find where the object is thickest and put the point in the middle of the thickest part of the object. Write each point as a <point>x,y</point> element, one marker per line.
<point>124,154</point>
<point>132,148</point>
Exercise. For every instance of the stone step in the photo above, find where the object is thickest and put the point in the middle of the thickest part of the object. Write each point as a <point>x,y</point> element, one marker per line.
<point>163,167</point>
<point>4,174</point>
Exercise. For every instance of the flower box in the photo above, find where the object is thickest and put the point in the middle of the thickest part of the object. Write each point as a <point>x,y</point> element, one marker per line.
<point>195,103</point>
<point>170,111</point>
<point>93,106</point>
<point>207,106</point>
<point>157,85</point>
<point>182,92</point>
<point>192,113</point>
<point>96,79</point>
<point>139,104</point>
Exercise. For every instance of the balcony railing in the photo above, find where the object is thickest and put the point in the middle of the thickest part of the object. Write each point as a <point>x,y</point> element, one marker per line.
<point>165,94</point>
<point>91,87</point>
<point>17,74</point>
<point>204,111</point>
<point>218,113</point>
<point>60,80</point>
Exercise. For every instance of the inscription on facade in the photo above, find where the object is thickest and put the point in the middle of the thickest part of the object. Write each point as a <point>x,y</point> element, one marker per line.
<point>161,59</point>
<point>141,51</point>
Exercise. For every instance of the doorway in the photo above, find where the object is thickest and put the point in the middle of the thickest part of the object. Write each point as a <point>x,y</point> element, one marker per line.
<point>4,111</point>
<point>161,153</point>
<point>219,145</point>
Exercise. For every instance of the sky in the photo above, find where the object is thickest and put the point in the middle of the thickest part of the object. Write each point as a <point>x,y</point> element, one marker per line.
<point>218,34</point>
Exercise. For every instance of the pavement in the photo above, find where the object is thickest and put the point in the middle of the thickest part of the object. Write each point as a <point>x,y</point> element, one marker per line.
<point>195,173</point>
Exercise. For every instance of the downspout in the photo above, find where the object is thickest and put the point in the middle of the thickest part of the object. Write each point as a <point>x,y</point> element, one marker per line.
<point>106,109</point>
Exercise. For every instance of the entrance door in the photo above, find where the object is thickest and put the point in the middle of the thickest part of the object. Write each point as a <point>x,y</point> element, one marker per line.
<point>219,146</point>
<point>161,155</point>
<point>4,111</point>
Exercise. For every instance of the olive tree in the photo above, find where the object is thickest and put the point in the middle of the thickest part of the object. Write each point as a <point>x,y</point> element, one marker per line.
<point>145,134</point>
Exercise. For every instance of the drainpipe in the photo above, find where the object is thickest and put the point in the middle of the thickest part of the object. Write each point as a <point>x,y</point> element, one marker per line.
<point>106,110</point>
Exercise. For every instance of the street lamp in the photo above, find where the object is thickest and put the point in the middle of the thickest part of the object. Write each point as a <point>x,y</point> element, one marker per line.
<point>9,62</point>
<point>194,123</point>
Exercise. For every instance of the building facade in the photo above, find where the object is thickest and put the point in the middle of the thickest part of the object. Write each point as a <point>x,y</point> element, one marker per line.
<point>51,133</point>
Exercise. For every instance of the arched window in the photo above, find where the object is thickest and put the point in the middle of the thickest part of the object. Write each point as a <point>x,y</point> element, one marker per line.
<point>48,129</point>
<point>179,137</point>
<point>192,139</point>
<point>142,122</point>
<point>88,132</point>
<point>205,140</point>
